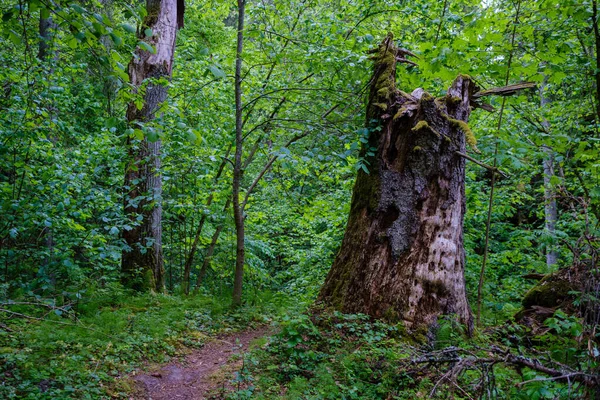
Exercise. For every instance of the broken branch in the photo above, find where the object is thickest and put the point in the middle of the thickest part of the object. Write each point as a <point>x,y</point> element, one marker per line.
<point>505,90</point>
<point>481,164</point>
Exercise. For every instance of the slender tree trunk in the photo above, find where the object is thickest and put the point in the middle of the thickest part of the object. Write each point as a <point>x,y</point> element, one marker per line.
<point>238,212</point>
<point>402,256</point>
<point>109,84</point>
<point>550,206</point>
<point>597,44</point>
<point>142,262</point>
<point>189,261</point>
<point>211,249</point>
<point>46,30</point>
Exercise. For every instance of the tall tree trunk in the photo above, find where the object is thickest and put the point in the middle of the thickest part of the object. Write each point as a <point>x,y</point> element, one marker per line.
<point>597,45</point>
<point>550,206</point>
<point>142,262</point>
<point>109,84</point>
<point>402,256</point>
<point>238,212</point>
<point>46,30</point>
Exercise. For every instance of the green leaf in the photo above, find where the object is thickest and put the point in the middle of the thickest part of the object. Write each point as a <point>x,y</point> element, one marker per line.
<point>34,5</point>
<point>116,39</point>
<point>147,47</point>
<point>128,28</point>
<point>78,9</point>
<point>216,71</point>
<point>111,122</point>
<point>204,51</point>
<point>73,42</point>
<point>16,39</point>
<point>148,32</point>
<point>139,134</point>
<point>44,13</point>
<point>152,135</point>
<point>191,136</point>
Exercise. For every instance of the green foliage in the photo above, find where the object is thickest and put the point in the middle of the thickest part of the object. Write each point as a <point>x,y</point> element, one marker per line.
<point>333,356</point>
<point>63,155</point>
<point>85,354</point>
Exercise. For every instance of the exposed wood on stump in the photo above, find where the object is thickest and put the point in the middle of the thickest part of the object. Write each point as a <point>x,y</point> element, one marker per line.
<point>142,262</point>
<point>402,256</point>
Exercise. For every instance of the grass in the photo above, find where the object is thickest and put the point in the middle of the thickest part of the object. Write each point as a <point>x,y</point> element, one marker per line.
<point>81,355</point>
<point>87,353</point>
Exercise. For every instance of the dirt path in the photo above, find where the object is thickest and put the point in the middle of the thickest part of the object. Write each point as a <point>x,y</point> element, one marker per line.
<point>199,373</point>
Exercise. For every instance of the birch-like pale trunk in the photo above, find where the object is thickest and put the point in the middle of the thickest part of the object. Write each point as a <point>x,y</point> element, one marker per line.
<point>550,206</point>
<point>142,263</point>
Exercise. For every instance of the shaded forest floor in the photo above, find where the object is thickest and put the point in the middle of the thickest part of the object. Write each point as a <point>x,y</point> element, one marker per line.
<point>84,348</point>
<point>113,345</point>
<point>204,373</point>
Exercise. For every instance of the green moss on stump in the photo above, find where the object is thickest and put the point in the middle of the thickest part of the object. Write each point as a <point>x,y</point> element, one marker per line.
<point>463,126</point>
<point>420,125</point>
<point>548,293</point>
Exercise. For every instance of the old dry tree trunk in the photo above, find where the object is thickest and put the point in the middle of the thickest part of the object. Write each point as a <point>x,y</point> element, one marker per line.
<point>142,262</point>
<point>402,257</point>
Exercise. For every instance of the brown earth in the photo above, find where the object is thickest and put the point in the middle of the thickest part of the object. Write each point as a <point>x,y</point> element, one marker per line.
<point>200,374</point>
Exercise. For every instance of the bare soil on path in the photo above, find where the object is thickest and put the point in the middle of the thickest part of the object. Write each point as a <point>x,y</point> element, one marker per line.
<point>198,374</point>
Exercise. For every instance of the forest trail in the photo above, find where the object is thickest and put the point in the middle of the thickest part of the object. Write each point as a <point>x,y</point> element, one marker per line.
<point>200,373</point>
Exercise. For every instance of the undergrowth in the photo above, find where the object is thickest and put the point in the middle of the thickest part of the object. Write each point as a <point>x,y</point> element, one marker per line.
<point>79,351</point>
<point>339,356</point>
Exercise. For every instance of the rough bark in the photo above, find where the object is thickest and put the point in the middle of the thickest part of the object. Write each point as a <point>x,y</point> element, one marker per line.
<point>238,212</point>
<point>142,262</point>
<point>402,256</point>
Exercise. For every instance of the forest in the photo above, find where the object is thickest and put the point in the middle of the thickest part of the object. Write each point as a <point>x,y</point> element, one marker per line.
<point>299,199</point>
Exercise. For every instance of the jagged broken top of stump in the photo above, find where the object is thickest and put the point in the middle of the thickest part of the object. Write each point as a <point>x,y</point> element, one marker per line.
<point>387,55</point>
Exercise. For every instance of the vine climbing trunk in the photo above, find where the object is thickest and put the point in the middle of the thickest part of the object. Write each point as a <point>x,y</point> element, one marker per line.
<point>142,261</point>
<point>402,256</point>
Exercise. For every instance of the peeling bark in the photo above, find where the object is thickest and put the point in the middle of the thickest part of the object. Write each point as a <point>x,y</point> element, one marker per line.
<point>402,256</point>
<point>142,263</point>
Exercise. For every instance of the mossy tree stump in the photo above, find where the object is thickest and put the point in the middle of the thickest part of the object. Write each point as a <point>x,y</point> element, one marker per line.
<point>402,256</point>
